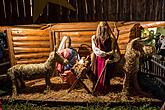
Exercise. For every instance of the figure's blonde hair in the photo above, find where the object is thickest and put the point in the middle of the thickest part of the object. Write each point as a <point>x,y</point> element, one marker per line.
<point>101,24</point>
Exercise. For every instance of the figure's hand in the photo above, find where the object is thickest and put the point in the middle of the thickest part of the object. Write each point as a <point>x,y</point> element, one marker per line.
<point>111,52</point>
<point>109,61</point>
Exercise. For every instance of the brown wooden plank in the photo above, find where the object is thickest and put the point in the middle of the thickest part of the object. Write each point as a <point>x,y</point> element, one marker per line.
<point>29,32</point>
<point>122,47</point>
<point>43,18</point>
<point>57,39</point>
<point>28,18</point>
<point>30,50</point>
<point>158,10</point>
<point>154,12</point>
<point>143,8</point>
<point>112,10</point>
<point>10,46</point>
<point>90,10</point>
<point>85,51</point>
<point>2,13</point>
<point>73,15</point>
<point>81,10</point>
<point>31,61</point>
<point>134,9</point>
<point>31,55</point>
<point>163,8</point>
<point>64,14</point>
<point>123,41</point>
<point>77,45</point>
<point>54,13</point>
<point>126,10</point>
<point>85,33</point>
<point>105,9</point>
<point>123,36</point>
<point>82,40</point>
<point>99,7</point>
<point>83,26</point>
<point>121,15</point>
<point>21,12</point>
<point>14,14</point>
<point>8,12</point>
<point>75,27</point>
<point>29,38</point>
<point>32,44</point>
<point>51,41</point>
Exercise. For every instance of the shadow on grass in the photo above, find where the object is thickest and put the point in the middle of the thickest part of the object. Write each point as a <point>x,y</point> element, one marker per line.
<point>116,88</point>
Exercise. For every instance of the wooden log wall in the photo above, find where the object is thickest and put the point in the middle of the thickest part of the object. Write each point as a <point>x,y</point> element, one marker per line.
<point>19,11</point>
<point>81,33</point>
<point>33,45</point>
<point>29,45</point>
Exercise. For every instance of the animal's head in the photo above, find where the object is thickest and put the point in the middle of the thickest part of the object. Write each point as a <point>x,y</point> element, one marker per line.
<point>55,57</point>
<point>135,32</point>
<point>52,55</point>
<point>139,47</point>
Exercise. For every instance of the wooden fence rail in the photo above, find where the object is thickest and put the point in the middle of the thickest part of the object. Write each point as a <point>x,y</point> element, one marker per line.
<point>154,66</point>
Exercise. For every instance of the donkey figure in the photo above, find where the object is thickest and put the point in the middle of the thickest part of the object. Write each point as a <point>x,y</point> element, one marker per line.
<point>134,51</point>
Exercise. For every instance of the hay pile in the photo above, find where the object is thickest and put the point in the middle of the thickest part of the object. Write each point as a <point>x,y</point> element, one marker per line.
<point>59,92</point>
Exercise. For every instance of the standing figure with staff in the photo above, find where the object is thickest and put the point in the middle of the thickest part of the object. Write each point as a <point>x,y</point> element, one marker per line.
<point>103,46</point>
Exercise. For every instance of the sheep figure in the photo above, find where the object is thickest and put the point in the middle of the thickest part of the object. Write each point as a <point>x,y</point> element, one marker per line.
<point>18,73</point>
<point>134,51</point>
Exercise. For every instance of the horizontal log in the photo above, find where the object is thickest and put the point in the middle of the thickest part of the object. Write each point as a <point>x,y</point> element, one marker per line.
<point>123,41</point>
<point>28,38</point>
<point>152,24</point>
<point>29,32</point>
<point>31,55</point>
<point>122,47</point>
<point>81,40</point>
<point>32,44</point>
<point>75,26</point>
<point>32,61</point>
<point>30,50</point>
<point>77,45</point>
<point>84,26</point>
<point>78,33</point>
<point>123,36</point>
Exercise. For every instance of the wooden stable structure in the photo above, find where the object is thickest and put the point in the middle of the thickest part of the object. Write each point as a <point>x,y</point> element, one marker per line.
<point>29,45</point>
<point>32,43</point>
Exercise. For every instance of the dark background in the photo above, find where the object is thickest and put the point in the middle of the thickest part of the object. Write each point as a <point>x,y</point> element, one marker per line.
<point>18,12</point>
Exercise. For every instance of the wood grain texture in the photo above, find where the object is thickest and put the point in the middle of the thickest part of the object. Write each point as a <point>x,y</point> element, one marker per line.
<point>29,45</point>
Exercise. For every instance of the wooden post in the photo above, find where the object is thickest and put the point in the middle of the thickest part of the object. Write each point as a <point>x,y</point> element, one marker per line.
<point>11,49</point>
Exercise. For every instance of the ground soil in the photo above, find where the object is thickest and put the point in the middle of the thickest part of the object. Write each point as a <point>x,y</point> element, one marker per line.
<point>59,92</point>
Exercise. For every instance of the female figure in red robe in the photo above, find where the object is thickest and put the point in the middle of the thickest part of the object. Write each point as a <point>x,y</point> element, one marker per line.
<point>103,48</point>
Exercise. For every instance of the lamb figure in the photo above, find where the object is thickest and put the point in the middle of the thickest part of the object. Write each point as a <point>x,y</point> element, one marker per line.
<point>134,51</point>
<point>18,73</point>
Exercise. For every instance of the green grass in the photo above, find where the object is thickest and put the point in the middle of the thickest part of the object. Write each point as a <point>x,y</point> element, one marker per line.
<point>28,106</point>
